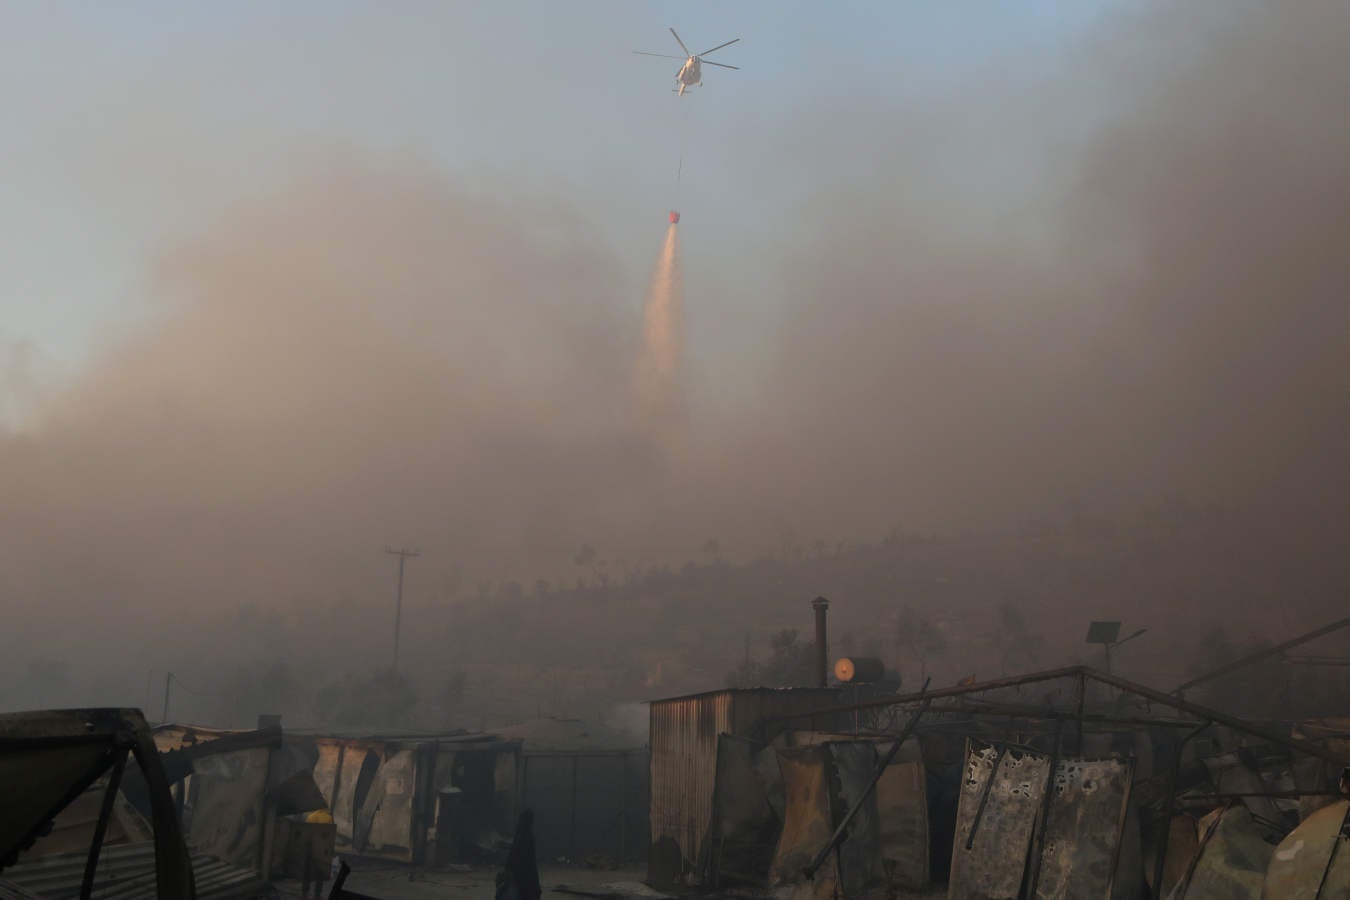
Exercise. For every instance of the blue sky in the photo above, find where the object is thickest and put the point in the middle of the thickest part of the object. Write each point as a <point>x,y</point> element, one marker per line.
<point>129,124</point>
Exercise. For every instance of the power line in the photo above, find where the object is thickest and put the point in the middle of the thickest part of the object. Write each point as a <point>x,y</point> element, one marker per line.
<point>171,679</point>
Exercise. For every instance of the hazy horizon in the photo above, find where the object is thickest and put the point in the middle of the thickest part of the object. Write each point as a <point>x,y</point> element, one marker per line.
<point>286,287</point>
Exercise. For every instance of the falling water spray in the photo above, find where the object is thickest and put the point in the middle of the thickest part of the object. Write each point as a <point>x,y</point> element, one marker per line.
<point>657,379</point>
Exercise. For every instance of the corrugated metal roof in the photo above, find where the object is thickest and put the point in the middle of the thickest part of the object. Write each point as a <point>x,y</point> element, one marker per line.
<point>128,871</point>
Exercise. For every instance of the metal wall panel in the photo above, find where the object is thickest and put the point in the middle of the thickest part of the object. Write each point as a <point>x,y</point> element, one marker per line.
<point>854,763</point>
<point>389,807</point>
<point>1313,861</point>
<point>1001,794</point>
<point>587,803</point>
<point>683,742</point>
<point>1089,801</point>
<point>684,769</point>
<point>224,814</point>
<point>326,773</point>
<point>808,823</point>
<point>902,805</point>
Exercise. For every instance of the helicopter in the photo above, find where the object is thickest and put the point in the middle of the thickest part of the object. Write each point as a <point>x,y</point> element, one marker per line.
<point>691,73</point>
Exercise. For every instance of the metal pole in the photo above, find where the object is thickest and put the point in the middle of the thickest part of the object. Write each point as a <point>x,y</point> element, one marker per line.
<point>1263,654</point>
<point>1203,713</point>
<point>398,611</point>
<point>572,843</point>
<point>1046,800</point>
<point>101,826</point>
<point>1218,718</point>
<point>1331,859</point>
<point>168,677</point>
<point>1082,702</point>
<point>403,555</point>
<point>842,829</point>
<point>623,807</point>
<point>984,796</point>
<point>820,605</point>
<point>1169,810</point>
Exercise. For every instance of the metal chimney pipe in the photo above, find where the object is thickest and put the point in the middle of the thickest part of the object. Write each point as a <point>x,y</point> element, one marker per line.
<point>820,605</point>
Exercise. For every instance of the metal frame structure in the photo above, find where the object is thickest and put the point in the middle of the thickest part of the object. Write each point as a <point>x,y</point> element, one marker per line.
<point>1192,717</point>
<point>77,747</point>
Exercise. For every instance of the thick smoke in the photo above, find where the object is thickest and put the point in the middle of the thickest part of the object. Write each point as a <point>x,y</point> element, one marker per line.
<point>372,355</point>
<point>367,356</point>
<point>1160,313</point>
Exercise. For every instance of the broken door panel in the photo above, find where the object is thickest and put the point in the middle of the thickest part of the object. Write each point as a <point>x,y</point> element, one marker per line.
<point>854,764</point>
<point>807,823</point>
<point>1233,858</point>
<point>744,827</point>
<point>1087,809</point>
<point>902,812</point>
<point>1313,862</point>
<point>386,816</point>
<point>1001,792</point>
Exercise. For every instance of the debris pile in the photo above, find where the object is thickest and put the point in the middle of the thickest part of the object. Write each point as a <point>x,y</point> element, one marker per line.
<point>1059,784</point>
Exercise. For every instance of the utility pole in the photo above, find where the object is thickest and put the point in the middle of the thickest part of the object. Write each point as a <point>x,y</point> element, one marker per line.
<point>168,679</point>
<point>403,555</point>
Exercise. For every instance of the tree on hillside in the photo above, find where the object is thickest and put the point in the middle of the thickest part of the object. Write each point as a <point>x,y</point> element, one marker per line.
<point>452,696</point>
<point>1258,690</point>
<point>790,664</point>
<point>919,638</point>
<point>588,558</point>
<point>1016,644</point>
<point>253,690</point>
<point>384,699</point>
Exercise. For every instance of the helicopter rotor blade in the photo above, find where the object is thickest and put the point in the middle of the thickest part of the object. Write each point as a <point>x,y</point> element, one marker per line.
<point>681,43</point>
<point>708,62</point>
<point>720,46</point>
<point>662,55</point>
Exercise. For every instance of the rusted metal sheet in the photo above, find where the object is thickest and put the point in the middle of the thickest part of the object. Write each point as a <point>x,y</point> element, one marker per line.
<point>1316,774</point>
<point>357,762</point>
<point>126,872</point>
<point>223,777</point>
<point>48,758</point>
<point>1001,793</point>
<point>587,802</point>
<point>223,816</point>
<point>743,824</point>
<point>1232,858</point>
<point>384,824</point>
<point>753,710</point>
<point>1183,842</point>
<point>384,792</point>
<point>853,765</point>
<point>902,812</point>
<point>1088,806</point>
<point>366,816</point>
<point>1230,773</point>
<point>326,775</point>
<point>808,823</point>
<point>1129,883</point>
<point>1313,862</point>
<point>73,827</point>
<point>683,743</point>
